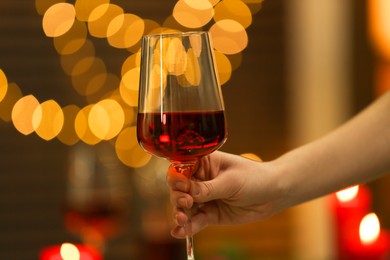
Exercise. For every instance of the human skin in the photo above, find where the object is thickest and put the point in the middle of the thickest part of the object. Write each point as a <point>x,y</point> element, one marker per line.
<point>228,189</point>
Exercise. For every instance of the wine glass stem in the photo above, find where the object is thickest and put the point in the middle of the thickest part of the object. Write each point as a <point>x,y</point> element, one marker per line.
<point>187,169</point>
<point>189,238</point>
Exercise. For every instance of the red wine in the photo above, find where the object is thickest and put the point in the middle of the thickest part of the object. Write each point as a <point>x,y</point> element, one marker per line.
<point>181,136</point>
<point>99,218</point>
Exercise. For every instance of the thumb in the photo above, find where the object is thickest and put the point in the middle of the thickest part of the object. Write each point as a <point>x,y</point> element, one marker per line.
<point>204,191</point>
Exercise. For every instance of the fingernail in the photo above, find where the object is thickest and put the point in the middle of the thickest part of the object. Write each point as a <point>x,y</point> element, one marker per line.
<point>182,186</point>
<point>195,191</point>
<point>182,202</point>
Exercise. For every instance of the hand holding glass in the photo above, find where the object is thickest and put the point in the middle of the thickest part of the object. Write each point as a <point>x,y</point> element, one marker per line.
<point>180,111</point>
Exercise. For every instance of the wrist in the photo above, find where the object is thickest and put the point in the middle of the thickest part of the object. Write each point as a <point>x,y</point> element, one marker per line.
<point>283,181</point>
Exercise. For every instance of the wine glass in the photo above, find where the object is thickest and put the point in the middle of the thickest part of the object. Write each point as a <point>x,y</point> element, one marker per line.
<point>96,195</point>
<point>180,111</point>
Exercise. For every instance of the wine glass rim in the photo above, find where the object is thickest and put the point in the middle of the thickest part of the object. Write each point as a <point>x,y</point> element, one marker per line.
<point>175,34</point>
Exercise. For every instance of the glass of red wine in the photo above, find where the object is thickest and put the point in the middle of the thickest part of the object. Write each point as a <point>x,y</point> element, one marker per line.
<point>180,111</point>
<point>96,195</point>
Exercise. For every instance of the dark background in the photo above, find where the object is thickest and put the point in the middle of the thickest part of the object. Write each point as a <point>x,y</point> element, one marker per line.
<point>33,172</point>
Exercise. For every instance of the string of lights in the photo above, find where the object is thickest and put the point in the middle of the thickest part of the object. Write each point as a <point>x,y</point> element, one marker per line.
<point>112,99</point>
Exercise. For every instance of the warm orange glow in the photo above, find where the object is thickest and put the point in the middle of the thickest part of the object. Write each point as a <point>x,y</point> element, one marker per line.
<point>235,60</point>
<point>214,2</point>
<point>106,119</point>
<point>382,77</point>
<point>116,99</point>
<point>175,58</point>
<point>3,85</point>
<point>369,229</point>
<point>68,133</point>
<point>51,120</point>
<point>73,40</point>
<point>235,10</point>
<point>192,72</point>
<point>130,113</point>
<point>128,150</point>
<point>251,156</point>
<point>58,19</point>
<point>83,65</point>
<point>193,13</point>
<point>22,114</point>
<point>69,251</point>
<point>110,83</point>
<point>131,62</point>
<point>68,62</point>
<point>129,87</point>
<point>229,36</point>
<point>42,5</point>
<point>196,44</point>
<point>348,194</point>
<point>224,68</point>
<point>101,17</point>
<point>379,26</point>
<point>157,80</point>
<point>85,7</point>
<point>92,79</point>
<point>254,5</point>
<point>172,23</point>
<point>82,127</point>
<point>125,30</point>
<point>12,95</point>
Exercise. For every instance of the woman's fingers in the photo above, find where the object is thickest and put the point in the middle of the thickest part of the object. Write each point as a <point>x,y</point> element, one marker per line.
<point>199,220</point>
<point>181,200</point>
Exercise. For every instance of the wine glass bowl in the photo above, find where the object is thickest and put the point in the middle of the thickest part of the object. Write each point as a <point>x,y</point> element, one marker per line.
<point>180,110</point>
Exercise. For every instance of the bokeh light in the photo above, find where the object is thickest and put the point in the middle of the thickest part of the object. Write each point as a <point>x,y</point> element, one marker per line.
<point>193,13</point>
<point>42,5</point>
<point>369,229</point>
<point>72,40</point>
<point>254,5</point>
<point>125,30</point>
<point>3,85</point>
<point>347,194</point>
<point>129,87</point>
<point>58,19</point>
<point>229,36</point>
<point>235,60</point>
<point>22,114</point>
<point>92,77</point>
<point>251,156</point>
<point>101,17</point>
<point>192,72</point>
<point>175,58</point>
<point>235,10</point>
<point>214,2</point>
<point>224,67</point>
<point>12,95</point>
<point>111,83</point>
<point>131,62</point>
<point>48,119</point>
<point>379,26</point>
<point>82,126</point>
<point>69,251</point>
<point>84,8</point>
<point>68,133</point>
<point>68,62</point>
<point>112,99</point>
<point>128,150</point>
<point>106,119</point>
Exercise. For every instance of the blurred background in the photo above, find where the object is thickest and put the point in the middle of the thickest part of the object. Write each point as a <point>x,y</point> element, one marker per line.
<point>71,169</point>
